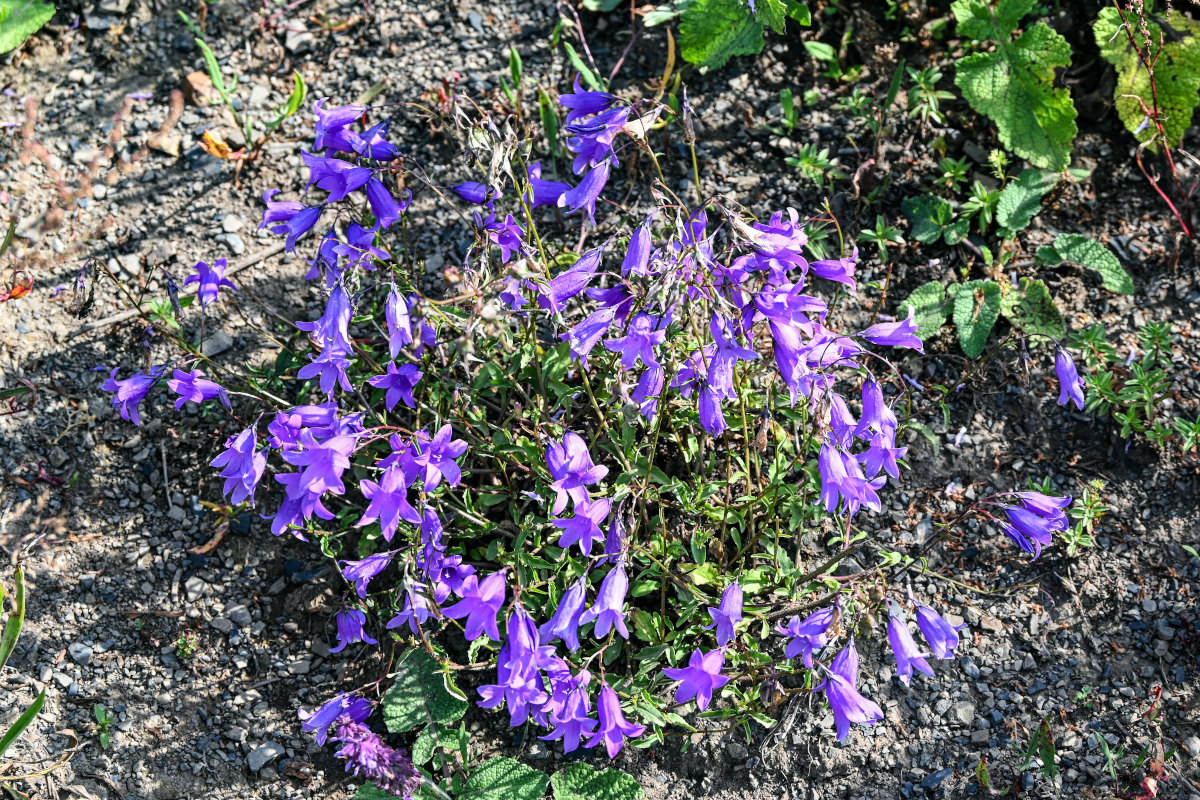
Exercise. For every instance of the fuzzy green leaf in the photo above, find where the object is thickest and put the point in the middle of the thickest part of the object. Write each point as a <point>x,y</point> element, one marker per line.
<point>1021,200</point>
<point>1014,85</point>
<point>20,19</point>
<point>1176,72</point>
<point>1031,309</point>
<point>929,307</point>
<point>601,5</point>
<point>929,215</point>
<point>418,695</point>
<point>976,309</point>
<point>1096,257</point>
<point>503,778</point>
<point>582,782</point>
<point>713,31</point>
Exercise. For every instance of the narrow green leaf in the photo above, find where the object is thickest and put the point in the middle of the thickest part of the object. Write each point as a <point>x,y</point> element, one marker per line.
<point>22,722</point>
<point>12,626</point>
<point>214,69</point>
<point>515,67</point>
<point>8,236</point>
<point>1096,257</point>
<point>894,87</point>
<point>585,73</point>
<point>976,309</point>
<point>191,26</point>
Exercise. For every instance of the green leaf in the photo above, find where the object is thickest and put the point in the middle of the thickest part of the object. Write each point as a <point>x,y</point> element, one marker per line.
<point>976,308</point>
<point>601,5</point>
<point>12,625</point>
<point>369,791</point>
<point>294,101</point>
<point>214,69</point>
<point>20,19</point>
<point>1176,72</point>
<point>1014,85</point>
<point>799,12</point>
<point>928,214</point>
<point>549,120</point>
<point>1021,200</point>
<point>1031,309</point>
<point>1096,257</point>
<point>585,72</point>
<point>515,67</point>
<point>582,782</point>
<point>418,695</point>
<point>23,722</point>
<point>956,231</point>
<point>503,778</point>
<point>713,31</point>
<point>930,308</point>
<point>821,51</point>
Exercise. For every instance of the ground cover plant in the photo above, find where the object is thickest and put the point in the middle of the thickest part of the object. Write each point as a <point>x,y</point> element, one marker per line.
<point>612,473</point>
<point>439,461</point>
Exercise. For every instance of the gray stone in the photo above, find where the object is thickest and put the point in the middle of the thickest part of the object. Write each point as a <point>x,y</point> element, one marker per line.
<point>176,513</point>
<point>297,39</point>
<point>80,653</point>
<point>236,733</point>
<point>195,588</point>
<point>264,753</point>
<point>217,343</point>
<point>232,223</point>
<point>222,624</point>
<point>234,242</point>
<point>300,667</point>
<point>963,712</point>
<point>259,95</point>
<point>240,615</point>
<point>1192,745</point>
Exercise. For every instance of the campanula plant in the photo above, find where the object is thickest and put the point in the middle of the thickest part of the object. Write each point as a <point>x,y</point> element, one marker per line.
<point>584,467</point>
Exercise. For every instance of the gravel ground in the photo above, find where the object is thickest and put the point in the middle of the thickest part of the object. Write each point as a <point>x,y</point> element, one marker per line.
<point>110,520</point>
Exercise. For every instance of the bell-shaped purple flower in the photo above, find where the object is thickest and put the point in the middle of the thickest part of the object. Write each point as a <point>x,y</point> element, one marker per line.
<point>481,601</point>
<point>896,334</point>
<point>940,634</point>
<point>210,280</point>
<point>350,622</point>
<point>639,341</point>
<point>384,206</point>
<point>399,383</point>
<point>565,622</point>
<point>845,701</point>
<point>362,571</point>
<point>571,467</point>
<point>584,528</point>
<point>128,393</point>
<point>700,678</point>
<point>613,728</point>
<point>317,722</point>
<point>585,195</point>
<point>388,502</point>
<point>904,647</point>
<point>609,609</point>
<point>807,635</point>
<point>727,614</point>
<point>241,467</point>
<point>1071,385</point>
<point>193,386</point>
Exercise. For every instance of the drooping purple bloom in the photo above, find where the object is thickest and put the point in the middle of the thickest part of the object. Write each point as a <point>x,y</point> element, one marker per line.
<point>609,609</point>
<point>475,192</point>
<point>543,192</point>
<point>1071,385</point>
<point>613,728</point>
<point>361,572</point>
<point>648,390</point>
<point>480,604</point>
<point>331,126</point>
<point>809,635</point>
<point>241,467</point>
<point>845,701</point>
<point>572,281</point>
<point>587,192</point>
<point>317,722</point>
<point>639,341</point>
<point>518,682</point>
<point>278,210</point>
<point>195,387</point>
<point>210,280</point>
<point>588,332</point>
<point>896,334</point>
<point>350,622</point>
<point>398,321</point>
<point>507,235</point>
<point>384,206</point>
<point>940,634</point>
<point>584,528</point>
<point>565,622</point>
<point>359,249</point>
<point>843,482</point>
<point>637,257</point>
<point>908,655</point>
<point>323,462</point>
<point>877,416</point>
<point>840,270</point>
<point>295,223</point>
<point>399,383</point>
<point>388,502</point>
<point>372,143</point>
<point>128,393</point>
<point>414,614</point>
<point>584,103</point>
<point>727,614</point>
<point>573,721</point>
<point>1030,531</point>
<point>335,176</point>
<point>571,467</point>
<point>700,678</point>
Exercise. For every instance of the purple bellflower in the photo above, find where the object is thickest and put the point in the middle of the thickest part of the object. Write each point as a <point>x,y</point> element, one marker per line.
<point>588,332</point>
<point>700,678</point>
<point>571,467</point>
<point>940,634</point>
<point>317,722</point>
<point>350,622</point>
<point>331,126</point>
<point>361,572</point>
<point>587,192</point>
<point>195,387</point>
<point>808,635</point>
<point>210,280</point>
<point>388,502</point>
<point>241,467</point>
<point>431,459</point>
<point>384,206</point>
<point>481,601</point>
<point>896,334</point>
<point>840,270</point>
<point>565,622</point>
<point>399,383</point>
<point>903,647</point>
<point>727,614</point>
<point>609,609</point>
<point>584,528</point>
<point>639,341</point>
<point>128,393</point>
<point>613,728</point>
<point>1071,385</point>
<point>475,192</point>
<point>335,176</point>
<point>573,721</point>
<point>648,390</point>
<point>845,701</point>
<point>398,321</point>
<point>572,281</point>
